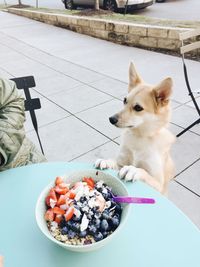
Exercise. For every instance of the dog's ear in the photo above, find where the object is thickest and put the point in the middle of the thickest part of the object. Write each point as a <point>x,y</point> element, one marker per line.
<point>163,91</point>
<point>134,77</point>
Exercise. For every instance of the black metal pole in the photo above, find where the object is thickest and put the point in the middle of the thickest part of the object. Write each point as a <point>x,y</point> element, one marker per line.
<point>125,10</point>
<point>188,128</point>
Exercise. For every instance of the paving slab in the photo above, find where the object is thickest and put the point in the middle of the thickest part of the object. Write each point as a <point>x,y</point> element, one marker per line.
<point>66,139</point>
<point>14,20</point>
<point>55,84</point>
<point>48,113</point>
<point>185,116</point>
<point>191,177</point>
<point>184,150</point>
<point>175,104</point>
<point>197,98</point>
<point>26,67</point>
<point>113,87</point>
<point>79,73</point>
<point>106,151</point>
<point>79,98</point>
<point>5,74</point>
<point>186,201</point>
<point>98,117</point>
<point>7,54</point>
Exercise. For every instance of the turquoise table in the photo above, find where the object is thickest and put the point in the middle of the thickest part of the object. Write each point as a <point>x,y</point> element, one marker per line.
<point>154,236</point>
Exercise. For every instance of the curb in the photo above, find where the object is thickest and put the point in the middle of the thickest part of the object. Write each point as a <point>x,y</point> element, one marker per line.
<point>137,35</point>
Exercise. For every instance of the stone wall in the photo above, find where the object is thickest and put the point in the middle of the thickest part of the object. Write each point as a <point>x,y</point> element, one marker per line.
<point>145,36</point>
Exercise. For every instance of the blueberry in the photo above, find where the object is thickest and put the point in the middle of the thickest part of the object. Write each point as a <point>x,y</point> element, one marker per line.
<point>82,199</point>
<point>98,236</point>
<point>105,234</point>
<point>94,209</point>
<point>99,189</point>
<point>92,229</point>
<point>64,230</point>
<point>89,216</point>
<point>115,221</point>
<point>71,234</point>
<point>106,215</point>
<point>113,203</point>
<point>115,214</point>
<point>107,196</point>
<point>110,195</point>
<point>97,215</point>
<point>76,219</point>
<point>83,233</point>
<point>97,223</point>
<point>62,223</point>
<point>118,208</point>
<point>75,226</point>
<point>104,225</point>
<point>69,224</point>
<point>112,213</point>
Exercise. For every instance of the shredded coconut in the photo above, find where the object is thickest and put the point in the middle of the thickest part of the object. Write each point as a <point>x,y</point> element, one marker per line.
<point>84,223</point>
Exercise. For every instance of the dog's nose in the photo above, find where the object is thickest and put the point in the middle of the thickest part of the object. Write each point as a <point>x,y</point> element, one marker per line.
<point>113,119</point>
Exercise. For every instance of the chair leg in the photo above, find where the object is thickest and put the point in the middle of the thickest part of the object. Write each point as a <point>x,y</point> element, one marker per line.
<point>189,127</point>
<point>40,143</point>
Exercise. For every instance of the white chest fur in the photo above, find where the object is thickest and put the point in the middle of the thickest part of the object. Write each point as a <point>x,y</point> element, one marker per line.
<point>146,151</point>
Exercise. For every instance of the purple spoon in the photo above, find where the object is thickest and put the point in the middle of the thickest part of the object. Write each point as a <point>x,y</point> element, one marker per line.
<point>136,200</point>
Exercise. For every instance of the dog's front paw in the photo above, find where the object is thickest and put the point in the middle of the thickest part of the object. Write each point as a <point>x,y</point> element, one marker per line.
<point>105,164</point>
<point>130,173</point>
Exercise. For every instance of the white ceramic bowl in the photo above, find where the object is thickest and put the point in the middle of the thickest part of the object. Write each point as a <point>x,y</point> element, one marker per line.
<point>118,188</point>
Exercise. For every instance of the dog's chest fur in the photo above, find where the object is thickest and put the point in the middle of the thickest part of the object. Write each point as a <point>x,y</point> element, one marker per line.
<point>145,149</point>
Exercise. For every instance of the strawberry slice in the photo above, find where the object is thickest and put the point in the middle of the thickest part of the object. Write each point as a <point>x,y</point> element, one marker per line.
<point>51,195</point>
<point>63,185</point>
<point>58,210</point>
<point>62,200</point>
<point>58,180</point>
<point>60,190</point>
<point>69,213</point>
<point>89,181</point>
<point>49,215</point>
<point>71,194</point>
<point>58,218</point>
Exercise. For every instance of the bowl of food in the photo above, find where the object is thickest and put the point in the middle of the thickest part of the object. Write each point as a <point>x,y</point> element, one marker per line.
<point>77,210</point>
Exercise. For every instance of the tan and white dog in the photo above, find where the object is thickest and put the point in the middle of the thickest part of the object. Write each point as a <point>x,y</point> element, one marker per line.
<point>146,141</point>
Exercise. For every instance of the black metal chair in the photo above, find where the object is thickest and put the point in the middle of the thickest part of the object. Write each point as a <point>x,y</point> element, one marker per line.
<point>30,103</point>
<point>193,44</point>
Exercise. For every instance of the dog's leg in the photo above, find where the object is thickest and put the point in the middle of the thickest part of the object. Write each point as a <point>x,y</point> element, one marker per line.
<point>131,173</point>
<point>124,158</point>
<point>106,164</point>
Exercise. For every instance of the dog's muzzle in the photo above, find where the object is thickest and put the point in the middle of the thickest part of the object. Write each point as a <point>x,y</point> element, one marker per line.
<point>113,119</point>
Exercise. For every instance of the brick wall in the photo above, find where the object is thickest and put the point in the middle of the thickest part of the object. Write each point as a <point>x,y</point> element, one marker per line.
<point>145,36</point>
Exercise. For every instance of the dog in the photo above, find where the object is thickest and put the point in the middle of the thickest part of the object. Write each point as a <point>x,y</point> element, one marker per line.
<point>146,141</point>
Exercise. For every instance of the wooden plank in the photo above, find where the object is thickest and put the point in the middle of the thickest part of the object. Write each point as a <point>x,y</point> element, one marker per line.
<point>189,34</point>
<point>190,47</point>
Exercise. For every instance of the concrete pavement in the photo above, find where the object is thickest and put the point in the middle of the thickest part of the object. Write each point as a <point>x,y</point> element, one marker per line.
<point>81,82</point>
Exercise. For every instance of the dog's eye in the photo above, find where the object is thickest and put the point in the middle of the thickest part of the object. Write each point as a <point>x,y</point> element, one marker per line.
<point>138,108</point>
<point>125,101</point>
